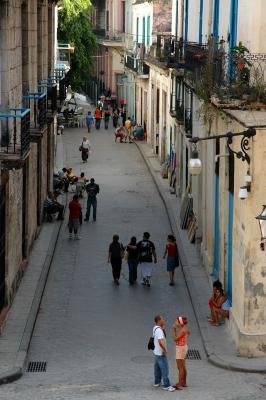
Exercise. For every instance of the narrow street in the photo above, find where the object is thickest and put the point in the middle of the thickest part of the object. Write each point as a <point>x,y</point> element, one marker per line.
<point>92,334</point>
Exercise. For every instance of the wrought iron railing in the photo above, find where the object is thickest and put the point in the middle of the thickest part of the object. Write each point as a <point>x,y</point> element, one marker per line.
<point>188,121</point>
<point>169,51</point>
<point>15,132</point>
<point>52,97</point>
<point>231,78</point>
<point>137,65</point>
<point>62,89</point>
<point>39,103</point>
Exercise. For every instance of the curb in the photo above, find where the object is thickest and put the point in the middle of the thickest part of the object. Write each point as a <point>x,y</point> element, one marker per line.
<point>18,370</point>
<point>211,356</point>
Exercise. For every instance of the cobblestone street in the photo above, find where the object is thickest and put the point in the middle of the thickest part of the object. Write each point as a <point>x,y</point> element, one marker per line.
<point>92,334</point>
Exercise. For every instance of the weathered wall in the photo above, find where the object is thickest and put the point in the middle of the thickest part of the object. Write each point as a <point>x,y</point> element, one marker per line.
<point>162,16</point>
<point>26,52</point>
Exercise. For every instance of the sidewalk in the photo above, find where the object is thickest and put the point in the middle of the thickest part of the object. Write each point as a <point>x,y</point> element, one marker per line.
<point>17,331</point>
<point>18,327</point>
<point>218,344</point>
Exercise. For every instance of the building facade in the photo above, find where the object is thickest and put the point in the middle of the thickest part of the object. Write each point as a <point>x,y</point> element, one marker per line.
<point>29,98</point>
<point>109,22</point>
<point>198,71</point>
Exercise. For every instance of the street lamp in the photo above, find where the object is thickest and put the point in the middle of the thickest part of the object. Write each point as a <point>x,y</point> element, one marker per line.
<point>242,154</point>
<point>262,222</point>
<point>194,164</point>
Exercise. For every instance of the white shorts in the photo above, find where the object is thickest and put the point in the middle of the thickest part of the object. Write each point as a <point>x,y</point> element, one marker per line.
<point>146,269</point>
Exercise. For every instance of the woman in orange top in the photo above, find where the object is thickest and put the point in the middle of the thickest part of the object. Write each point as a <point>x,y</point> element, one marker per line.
<point>180,334</point>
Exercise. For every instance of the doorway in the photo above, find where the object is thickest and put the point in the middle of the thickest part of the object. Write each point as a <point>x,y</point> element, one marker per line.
<point>2,245</point>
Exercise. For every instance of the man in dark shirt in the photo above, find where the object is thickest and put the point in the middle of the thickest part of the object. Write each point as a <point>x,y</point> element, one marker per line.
<point>92,190</point>
<point>147,255</point>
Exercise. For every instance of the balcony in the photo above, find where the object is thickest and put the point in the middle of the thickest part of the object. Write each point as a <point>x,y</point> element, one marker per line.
<point>15,137</point>
<point>167,52</point>
<point>99,33</point>
<point>234,80</point>
<point>37,102</point>
<point>137,65</point>
<point>62,90</point>
<point>177,109</point>
<point>195,56</point>
<point>51,102</point>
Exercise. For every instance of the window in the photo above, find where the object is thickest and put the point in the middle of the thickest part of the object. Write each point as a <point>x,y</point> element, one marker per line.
<point>143,30</point>
<point>124,16</point>
<point>148,30</point>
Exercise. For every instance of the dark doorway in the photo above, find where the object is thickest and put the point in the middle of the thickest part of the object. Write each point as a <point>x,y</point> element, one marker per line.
<point>24,211</point>
<point>2,245</point>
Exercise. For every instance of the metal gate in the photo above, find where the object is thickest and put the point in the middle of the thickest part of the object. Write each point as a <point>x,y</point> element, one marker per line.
<point>2,245</point>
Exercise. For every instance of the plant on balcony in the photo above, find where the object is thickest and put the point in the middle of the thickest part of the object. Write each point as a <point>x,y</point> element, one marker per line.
<point>75,27</point>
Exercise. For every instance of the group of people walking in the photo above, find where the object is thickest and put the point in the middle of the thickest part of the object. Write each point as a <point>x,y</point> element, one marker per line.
<point>142,254</point>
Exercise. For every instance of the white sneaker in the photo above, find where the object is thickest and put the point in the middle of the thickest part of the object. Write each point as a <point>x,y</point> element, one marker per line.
<point>156,385</point>
<point>169,388</point>
<point>77,237</point>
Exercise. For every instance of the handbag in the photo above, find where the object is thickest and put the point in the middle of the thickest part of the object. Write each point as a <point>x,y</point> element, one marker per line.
<point>126,255</point>
<point>122,251</point>
<point>80,148</point>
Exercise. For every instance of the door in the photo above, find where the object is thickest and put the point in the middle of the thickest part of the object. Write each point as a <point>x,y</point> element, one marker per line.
<point>230,226</point>
<point>216,266</point>
<point>2,245</point>
<point>24,211</point>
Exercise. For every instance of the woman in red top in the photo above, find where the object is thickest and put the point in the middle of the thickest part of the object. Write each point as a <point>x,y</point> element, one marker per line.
<point>171,252</point>
<point>180,334</point>
<point>74,214</point>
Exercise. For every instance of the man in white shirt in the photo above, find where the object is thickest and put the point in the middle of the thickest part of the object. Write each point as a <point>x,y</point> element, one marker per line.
<point>161,370</point>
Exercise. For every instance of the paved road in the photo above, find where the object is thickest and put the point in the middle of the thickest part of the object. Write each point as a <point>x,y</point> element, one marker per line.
<point>92,334</point>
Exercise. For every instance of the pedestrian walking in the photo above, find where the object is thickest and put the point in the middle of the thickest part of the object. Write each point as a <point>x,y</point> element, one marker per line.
<point>115,255</point>
<point>161,369</point>
<point>147,255</point>
<point>132,260</point>
<point>92,190</point>
<point>180,334</point>
<point>128,130</point>
<point>106,118</point>
<point>89,121</point>
<point>115,117</point>
<point>171,251</point>
<point>98,117</point>
<point>124,115</point>
<point>85,149</point>
<point>74,217</point>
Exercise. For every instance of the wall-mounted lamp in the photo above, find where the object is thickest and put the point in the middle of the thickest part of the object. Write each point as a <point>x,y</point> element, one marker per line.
<point>243,193</point>
<point>241,154</point>
<point>262,222</point>
<point>194,164</point>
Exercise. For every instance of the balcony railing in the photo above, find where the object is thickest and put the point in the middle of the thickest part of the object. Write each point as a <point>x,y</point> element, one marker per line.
<point>137,65</point>
<point>99,32</point>
<point>37,102</point>
<point>62,90</point>
<point>15,135</point>
<point>167,51</point>
<point>177,109</point>
<point>52,97</point>
<point>234,80</point>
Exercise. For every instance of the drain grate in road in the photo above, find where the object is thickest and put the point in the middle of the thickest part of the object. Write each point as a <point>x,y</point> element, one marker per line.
<point>37,366</point>
<point>193,354</point>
